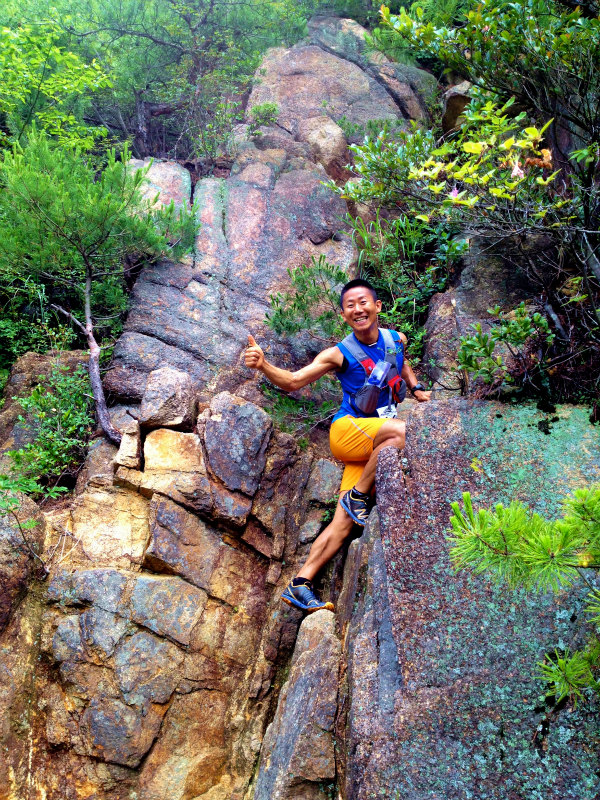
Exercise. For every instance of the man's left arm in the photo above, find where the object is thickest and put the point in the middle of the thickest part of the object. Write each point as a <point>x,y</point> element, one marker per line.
<point>411,379</point>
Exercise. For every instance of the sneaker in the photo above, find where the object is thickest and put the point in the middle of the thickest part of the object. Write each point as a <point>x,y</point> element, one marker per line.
<point>357,509</point>
<point>304,598</point>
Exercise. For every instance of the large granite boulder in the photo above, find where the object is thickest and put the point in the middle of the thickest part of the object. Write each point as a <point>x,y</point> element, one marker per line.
<point>442,695</point>
<point>165,182</point>
<point>306,80</point>
<point>236,438</point>
<point>411,88</point>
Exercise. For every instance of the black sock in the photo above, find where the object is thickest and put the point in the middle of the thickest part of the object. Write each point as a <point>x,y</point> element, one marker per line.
<point>301,582</point>
<point>356,495</point>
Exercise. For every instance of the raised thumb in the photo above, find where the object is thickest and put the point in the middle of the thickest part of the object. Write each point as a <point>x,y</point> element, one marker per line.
<point>251,341</point>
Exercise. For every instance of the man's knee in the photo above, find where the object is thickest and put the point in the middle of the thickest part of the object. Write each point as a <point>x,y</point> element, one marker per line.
<point>392,434</point>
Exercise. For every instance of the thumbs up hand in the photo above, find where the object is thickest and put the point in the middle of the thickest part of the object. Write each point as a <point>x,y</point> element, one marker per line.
<point>254,356</point>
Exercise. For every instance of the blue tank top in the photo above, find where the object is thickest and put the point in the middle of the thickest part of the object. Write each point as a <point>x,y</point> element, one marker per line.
<point>353,377</point>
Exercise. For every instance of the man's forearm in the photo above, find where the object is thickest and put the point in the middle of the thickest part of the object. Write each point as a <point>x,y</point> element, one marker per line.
<point>408,375</point>
<point>282,378</point>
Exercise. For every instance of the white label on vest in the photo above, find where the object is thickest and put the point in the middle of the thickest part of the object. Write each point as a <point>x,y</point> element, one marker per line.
<point>387,413</point>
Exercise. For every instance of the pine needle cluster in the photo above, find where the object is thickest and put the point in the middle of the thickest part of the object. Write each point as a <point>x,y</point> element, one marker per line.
<point>513,545</point>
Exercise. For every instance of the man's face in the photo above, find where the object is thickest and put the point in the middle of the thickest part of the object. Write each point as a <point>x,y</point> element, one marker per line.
<point>360,310</point>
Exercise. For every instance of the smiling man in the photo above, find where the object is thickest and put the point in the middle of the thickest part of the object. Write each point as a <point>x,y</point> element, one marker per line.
<point>374,374</point>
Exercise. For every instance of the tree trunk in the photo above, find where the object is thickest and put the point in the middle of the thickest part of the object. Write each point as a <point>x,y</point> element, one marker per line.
<point>111,433</point>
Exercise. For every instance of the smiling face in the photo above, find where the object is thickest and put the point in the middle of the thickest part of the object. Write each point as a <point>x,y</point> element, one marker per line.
<point>360,311</point>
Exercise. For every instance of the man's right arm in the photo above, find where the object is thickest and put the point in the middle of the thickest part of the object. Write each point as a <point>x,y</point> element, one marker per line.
<point>328,360</point>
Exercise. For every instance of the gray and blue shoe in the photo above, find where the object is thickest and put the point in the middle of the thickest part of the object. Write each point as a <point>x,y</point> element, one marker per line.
<point>304,598</point>
<point>358,508</point>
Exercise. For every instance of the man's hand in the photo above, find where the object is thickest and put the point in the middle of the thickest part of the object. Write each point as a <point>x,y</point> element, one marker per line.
<point>254,356</point>
<point>422,397</point>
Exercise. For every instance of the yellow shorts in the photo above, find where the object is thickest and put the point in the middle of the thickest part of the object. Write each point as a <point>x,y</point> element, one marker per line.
<point>351,441</point>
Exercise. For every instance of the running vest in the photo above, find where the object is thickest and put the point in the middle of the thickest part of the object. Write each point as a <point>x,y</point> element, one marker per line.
<point>361,360</point>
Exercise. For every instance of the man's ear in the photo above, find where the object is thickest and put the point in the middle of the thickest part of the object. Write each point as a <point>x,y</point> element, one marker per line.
<point>378,305</point>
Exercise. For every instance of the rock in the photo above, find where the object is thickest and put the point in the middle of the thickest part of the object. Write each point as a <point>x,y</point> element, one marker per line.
<point>181,543</point>
<point>300,80</point>
<point>147,669</point>
<point>373,664</point>
<point>456,99</point>
<point>236,438</point>
<point>454,714</point>
<point>412,89</point>
<point>324,482</point>
<point>99,467</point>
<point>169,400</point>
<point>167,179</point>
<point>171,451</point>
<point>239,580</point>
<point>167,606</point>
<point>111,526</point>
<point>130,449</point>
<point>174,466</point>
<point>105,588</point>
<point>137,354</point>
<point>17,562</point>
<point>311,528</point>
<point>229,507</point>
<point>101,631</point>
<point>327,143</point>
<point>190,756</point>
<point>114,732</point>
<point>298,748</point>
<point>67,644</point>
<point>193,319</point>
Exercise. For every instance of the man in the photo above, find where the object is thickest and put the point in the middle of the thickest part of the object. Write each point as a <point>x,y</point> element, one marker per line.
<point>356,436</point>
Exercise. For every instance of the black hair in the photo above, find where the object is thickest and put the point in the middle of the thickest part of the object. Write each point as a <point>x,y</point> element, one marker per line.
<point>352,285</point>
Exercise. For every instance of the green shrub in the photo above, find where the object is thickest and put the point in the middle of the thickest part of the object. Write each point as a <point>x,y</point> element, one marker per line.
<point>312,304</point>
<point>407,261</point>
<point>262,114</point>
<point>525,337</point>
<point>58,413</point>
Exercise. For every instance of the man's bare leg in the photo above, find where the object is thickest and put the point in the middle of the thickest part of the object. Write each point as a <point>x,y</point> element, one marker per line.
<point>329,541</point>
<point>391,434</point>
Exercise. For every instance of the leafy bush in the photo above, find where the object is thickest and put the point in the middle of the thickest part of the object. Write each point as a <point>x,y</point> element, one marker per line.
<point>514,175</point>
<point>525,337</point>
<point>262,114</point>
<point>407,261</point>
<point>312,304</point>
<point>512,545</point>
<point>58,413</point>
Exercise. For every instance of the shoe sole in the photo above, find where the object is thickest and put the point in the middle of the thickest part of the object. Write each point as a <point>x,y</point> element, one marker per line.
<point>351,514</point>
<point>306,609</point>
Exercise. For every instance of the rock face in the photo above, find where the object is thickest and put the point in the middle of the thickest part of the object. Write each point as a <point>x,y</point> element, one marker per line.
<point>168,400</point>
<point>17,565</point>
<point>272,214</point>
<point>298,748</point>
<point>488,278</point>
<point>461,712</point>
